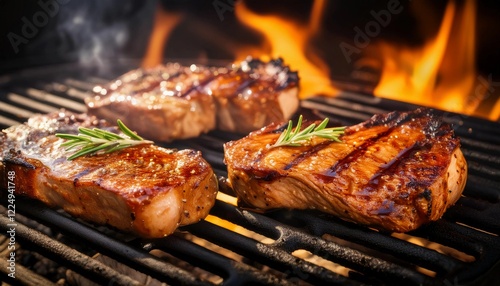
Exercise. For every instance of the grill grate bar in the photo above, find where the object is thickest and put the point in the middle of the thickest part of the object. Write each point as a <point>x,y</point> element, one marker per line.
<point>320,224</point>
<point>62,90</point>
<point>23,275</point>
<point>468,240</point>
<point>135,258</point>
<point>482,146</point>
<point>61,101</point>
<point>485,218</point>
<point>292,239</point>
<point>482,188</point>
<point>476,128</point>
<point>358,246</point>
<point>7,121</point>
<point>88,84</point>
<point>364,108</point>
<point>85,265</point>
<point>30,103</point>
<point>266,254</point>
<point>348,117</point>
<point>16,111</point>
<point>228,269</point>
<point>482,158</point>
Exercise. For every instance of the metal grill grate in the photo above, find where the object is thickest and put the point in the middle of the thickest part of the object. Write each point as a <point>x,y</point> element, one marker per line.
<point>236,246</point>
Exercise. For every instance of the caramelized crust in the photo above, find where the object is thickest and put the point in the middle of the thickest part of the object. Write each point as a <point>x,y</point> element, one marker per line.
<point>254,95</point>
<point>393,172</point>
<point>147,190</point>
<point>175,102</point>
<point>162,103</point>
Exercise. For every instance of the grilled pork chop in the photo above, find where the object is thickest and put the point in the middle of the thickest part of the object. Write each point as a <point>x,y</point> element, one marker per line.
<point>393,172</point>
<point>175,102</point>
<point>147,190</point>
<point>163,103</point>
<point>254,95</point>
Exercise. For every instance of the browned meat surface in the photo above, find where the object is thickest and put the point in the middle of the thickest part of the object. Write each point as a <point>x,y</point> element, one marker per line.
<point>147,190</point>
<point>164,103</point>
<point>175,102</point>
<point>254,95</point>
<point>393,172</point>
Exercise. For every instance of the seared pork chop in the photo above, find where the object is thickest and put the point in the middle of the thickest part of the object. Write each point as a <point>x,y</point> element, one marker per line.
<point>254,95</point>
<point>176,102</point>
<point>393,172</point>
<point>147,190</point>
<point>162,103</point>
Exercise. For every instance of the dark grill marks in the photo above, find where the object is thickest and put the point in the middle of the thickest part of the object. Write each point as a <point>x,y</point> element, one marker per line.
<point>391,120</point>
<point>154,84</point>
<point>389,168</point>
<point>410,169</point>
<point>198,87</point>
<point>345,162</point>
<point>81,174</point>
<point>148,88</point>
<point>308,153</point>
<point>397,164</point>
<point>248,82</point>
<point>195,85</point>
<point>475,208</point>
<point>268,130</point>
<point>12,158</point>
<point>427,195</point>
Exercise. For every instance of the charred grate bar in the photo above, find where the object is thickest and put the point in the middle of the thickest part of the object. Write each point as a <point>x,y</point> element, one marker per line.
<point>133,256</point>
<point>287,239</point>
<point>98,272</point>
<point>237,246</point>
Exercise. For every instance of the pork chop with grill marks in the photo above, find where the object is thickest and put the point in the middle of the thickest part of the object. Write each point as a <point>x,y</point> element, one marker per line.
<point>172,101</point>
<point>146,189</point>
<point>162,103</point>
<point>254,95</point>
<point>393,172</point>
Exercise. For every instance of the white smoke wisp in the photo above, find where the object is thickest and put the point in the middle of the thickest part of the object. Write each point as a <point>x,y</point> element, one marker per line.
<point>94,32</point>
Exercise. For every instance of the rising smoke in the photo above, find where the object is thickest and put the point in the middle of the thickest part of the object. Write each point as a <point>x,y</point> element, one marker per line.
<point>93,32</point>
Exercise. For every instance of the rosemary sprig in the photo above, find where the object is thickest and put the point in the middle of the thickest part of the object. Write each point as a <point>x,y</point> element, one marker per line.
<point>296,137</point>
<point>95,140</point>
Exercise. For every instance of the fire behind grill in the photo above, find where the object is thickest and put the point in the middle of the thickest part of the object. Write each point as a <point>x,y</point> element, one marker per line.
<point>238,247</point>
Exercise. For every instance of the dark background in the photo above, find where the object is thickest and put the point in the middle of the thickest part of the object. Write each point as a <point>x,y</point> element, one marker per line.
<point>93,31</point>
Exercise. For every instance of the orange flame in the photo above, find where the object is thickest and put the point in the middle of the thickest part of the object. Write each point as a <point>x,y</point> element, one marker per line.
<point>440,74</point>
<point>164,24</point>
<point>289,40</point>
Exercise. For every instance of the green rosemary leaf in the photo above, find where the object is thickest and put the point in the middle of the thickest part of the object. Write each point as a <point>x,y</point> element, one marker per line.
<point>73,144</point>
<point>127,131</point>
<point>88,132</point>
<point>69,136</point>
<point>322,125</point>
<point>117,148</point>
<point>297,137</point>
<point>106,134</point>
<point>297,129</point>
<point>89,149</point>
<point>92,141</point>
